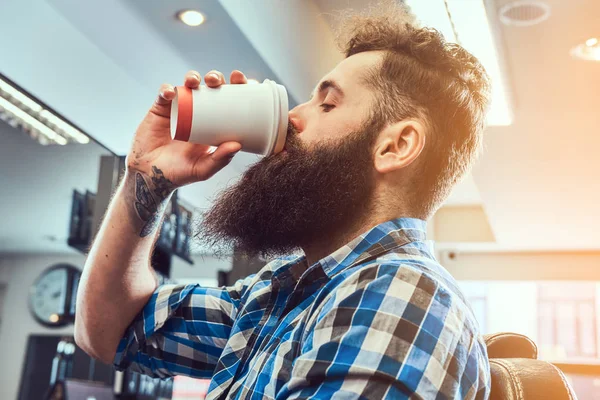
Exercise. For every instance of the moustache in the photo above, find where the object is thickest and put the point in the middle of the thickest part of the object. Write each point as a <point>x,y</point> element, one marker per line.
<point>291,140</point>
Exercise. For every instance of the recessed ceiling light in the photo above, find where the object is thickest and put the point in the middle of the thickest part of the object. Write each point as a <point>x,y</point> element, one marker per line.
<point>588,50</point>
<point>191,17</point>
<point>524,13</point>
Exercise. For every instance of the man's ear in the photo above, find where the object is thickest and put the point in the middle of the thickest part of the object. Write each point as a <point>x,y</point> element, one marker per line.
<point>399,144</point>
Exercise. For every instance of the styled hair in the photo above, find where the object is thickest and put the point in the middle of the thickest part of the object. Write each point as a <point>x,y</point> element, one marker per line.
<point>422,76</point>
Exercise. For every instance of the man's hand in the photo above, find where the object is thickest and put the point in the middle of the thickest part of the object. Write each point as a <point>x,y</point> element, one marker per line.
<point>117,271</point>
<point>180,163</point>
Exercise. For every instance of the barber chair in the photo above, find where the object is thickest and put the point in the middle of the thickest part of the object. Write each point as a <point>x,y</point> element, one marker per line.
<point>517,374</point>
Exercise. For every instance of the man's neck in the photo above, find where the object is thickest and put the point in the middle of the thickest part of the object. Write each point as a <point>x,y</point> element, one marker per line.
<point>327,245</point>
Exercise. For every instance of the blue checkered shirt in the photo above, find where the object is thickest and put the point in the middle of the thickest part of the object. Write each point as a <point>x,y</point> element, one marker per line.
<point>377,319</point>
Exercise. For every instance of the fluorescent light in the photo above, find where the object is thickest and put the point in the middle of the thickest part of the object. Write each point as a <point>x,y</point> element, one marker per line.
<point>20,97</point>
<point>475,35</point>
<point>433,14</point>
<point>66,128</point>
<point>472,30</point>
<point>191,17</point>
<point>31,122</point>
<point>35,119</point>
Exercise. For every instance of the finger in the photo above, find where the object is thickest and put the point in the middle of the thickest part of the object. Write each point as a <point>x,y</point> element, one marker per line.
<point>192,79</point>
<point>237,77</point>
<point>166,93</point>
<point>217,160</point>
<point>214,79</point>
<point>162,104</point>
<point>225,150</point>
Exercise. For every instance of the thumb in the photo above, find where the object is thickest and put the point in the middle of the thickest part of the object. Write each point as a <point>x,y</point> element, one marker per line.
<point>217,160</point>
<point>226,150</point>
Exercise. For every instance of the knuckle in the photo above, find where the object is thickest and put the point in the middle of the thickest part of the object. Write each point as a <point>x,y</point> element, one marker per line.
<point>132,162</point>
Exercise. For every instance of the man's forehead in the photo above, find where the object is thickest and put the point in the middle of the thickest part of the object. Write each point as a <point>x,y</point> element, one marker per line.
<point>349,71</point>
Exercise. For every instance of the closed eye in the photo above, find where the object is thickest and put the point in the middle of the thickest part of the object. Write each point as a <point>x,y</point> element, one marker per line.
<point>327,107</point>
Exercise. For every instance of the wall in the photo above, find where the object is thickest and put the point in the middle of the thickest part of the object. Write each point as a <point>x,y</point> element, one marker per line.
<point>521,265</point>
<point>37,187</point>
<point>18,272</point>
<point>17,322</point>
<point>462,224</point>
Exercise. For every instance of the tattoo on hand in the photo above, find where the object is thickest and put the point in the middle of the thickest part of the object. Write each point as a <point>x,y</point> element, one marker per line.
<point>146,207</point>
<point>162,186</point>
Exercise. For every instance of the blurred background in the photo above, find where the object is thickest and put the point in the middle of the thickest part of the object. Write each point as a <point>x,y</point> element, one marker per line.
<point>520,233</point>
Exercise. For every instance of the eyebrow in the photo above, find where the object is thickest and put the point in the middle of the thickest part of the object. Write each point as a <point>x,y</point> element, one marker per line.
<point>326,85</point>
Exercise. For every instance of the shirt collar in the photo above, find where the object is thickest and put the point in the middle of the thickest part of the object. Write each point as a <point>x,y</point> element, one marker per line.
<point>378,240</point>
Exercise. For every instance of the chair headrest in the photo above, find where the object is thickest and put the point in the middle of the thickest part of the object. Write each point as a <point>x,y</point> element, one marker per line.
<point>510,345</point>
<point>526,379</point>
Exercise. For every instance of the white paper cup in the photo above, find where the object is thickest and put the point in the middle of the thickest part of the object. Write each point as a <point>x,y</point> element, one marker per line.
<point>254,115</point>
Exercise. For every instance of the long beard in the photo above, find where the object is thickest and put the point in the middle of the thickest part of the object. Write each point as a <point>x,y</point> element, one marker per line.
<point>289,200</point>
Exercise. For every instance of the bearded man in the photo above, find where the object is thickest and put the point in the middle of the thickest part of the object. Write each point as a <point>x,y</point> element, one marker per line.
<point>364,311</point>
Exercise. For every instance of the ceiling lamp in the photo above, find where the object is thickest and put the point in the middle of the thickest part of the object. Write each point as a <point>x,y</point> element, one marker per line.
<point>468,24</point>
<point>191,17</point>
<point>523,13</point>
<point>589,50</point>
<point>21,111</point>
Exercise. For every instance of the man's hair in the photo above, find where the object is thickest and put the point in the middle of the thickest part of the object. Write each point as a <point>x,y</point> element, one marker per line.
<point>422,76</point>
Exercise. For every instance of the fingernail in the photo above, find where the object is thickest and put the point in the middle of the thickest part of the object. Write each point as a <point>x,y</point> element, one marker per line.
<point>214,76</point>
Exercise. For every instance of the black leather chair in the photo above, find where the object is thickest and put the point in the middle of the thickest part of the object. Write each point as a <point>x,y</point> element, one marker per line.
<point>517,374</point>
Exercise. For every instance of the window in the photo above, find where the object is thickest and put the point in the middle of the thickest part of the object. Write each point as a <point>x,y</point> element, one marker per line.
<point>561,317</point>
<point>567,320</point>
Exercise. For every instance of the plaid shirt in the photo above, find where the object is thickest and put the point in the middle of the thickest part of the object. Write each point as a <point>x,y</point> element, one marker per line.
<point>379,318</point>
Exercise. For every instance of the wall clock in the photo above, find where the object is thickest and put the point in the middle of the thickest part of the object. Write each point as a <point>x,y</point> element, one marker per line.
<point>52,296</point>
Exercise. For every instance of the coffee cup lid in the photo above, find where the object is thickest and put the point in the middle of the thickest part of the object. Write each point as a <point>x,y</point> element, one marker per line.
<point>280,110</point>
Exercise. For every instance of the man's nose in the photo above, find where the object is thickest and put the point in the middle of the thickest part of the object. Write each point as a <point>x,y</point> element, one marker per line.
<point>295,120</point>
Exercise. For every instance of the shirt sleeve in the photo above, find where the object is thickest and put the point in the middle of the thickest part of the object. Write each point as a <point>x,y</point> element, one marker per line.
<point>182,330</point>
<point>387,332</point>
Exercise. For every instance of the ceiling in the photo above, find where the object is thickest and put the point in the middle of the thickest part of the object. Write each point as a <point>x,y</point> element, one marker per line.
<point>538,179</point>
<point>101,63</point>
